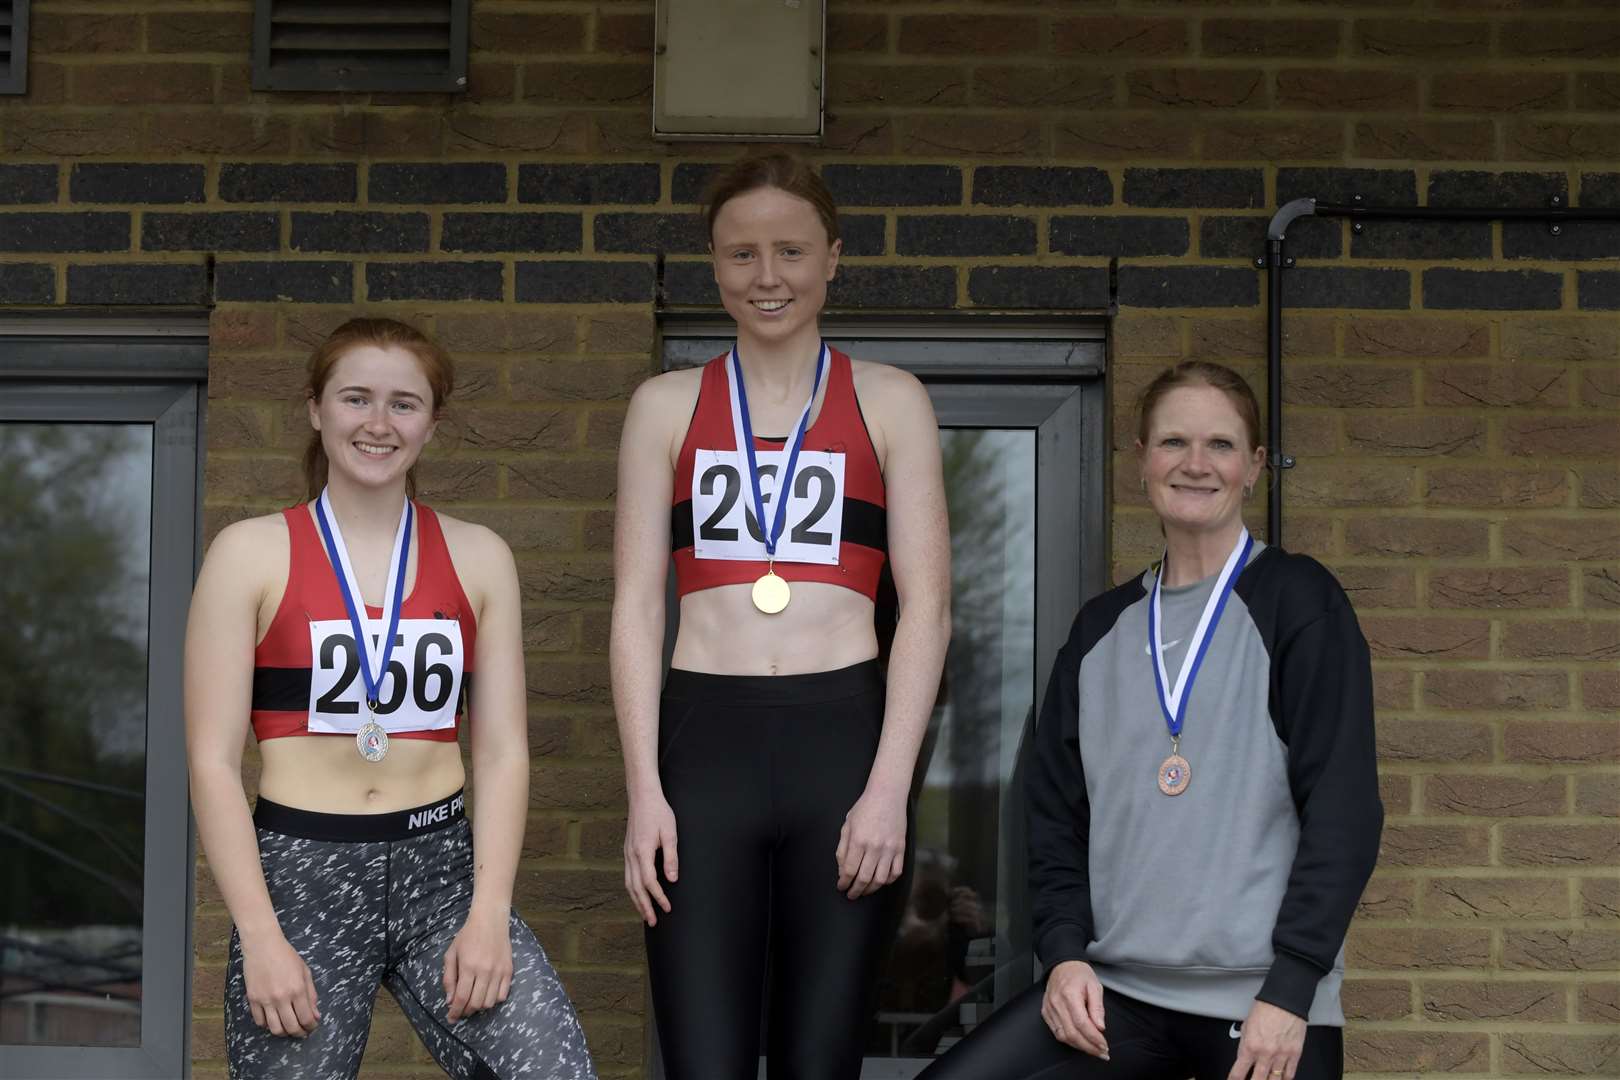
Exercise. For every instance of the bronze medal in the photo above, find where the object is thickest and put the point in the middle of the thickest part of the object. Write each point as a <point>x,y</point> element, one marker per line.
<point>1174,775</point>
<point>771,593</point>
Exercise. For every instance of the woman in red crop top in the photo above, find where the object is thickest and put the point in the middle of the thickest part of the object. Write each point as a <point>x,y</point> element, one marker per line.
<point>347,631</point>
<point>768,780</point>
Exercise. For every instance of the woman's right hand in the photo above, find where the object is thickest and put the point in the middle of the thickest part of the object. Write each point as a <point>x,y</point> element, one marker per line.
<point>650,828</point>
<point>280,990</point>
<point>1073,1008</point>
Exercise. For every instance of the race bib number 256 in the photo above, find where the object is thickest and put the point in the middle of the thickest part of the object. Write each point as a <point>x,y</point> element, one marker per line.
<point>419,690</point>
<point>723,521</point>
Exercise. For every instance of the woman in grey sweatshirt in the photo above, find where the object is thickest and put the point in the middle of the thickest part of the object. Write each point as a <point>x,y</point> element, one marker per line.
<point>1203,810</point>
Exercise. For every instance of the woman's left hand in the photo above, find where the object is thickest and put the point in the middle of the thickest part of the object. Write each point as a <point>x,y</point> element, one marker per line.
<point>872,844</point>
<point>478,965</point>
<point>1271,1044</point>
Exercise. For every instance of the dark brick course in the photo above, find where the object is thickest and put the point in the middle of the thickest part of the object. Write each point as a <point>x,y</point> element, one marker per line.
<point>1187,286</point>
<point>1109,236</point>
<point>1600,189</point>
<point>1433,239</point>
<point>1242,236</point>
<point>136,183</point>
<point>1028,185</point>
<point>511,232</point>
<point>1347,287</point>
<point>1377,187</point>
<point>1491,290</point>
<point>1238,188</point>
<point>1468,187</point>
<point>650,234</point>
<point>428,182</point>
<point>863,234</point>
<point>1039,286</point>
<point>288,183</point>
<point>959,234</point>
<point>575,281</point>
<point>27,184</point>
<point>298,281</point>
<point>1575,240</point>
<point>1598,290</point>
<point>588,185</point>
<point>360,231</point>
<point>27,283</point>
<point>240,230</point>
<point>693,283</point>
<point>893,287</point>
<point>687,182</point>
<point>894,185</point>
<point>137,283</point>
<point>65,231</point>
<point>437,280</point>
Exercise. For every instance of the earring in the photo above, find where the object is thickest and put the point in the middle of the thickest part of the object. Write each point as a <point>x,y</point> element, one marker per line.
<point>1143,481</point>
<point>1248,489</point>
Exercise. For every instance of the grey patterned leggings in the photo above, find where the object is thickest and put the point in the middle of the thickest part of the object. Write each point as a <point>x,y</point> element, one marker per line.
<point>364,912</point>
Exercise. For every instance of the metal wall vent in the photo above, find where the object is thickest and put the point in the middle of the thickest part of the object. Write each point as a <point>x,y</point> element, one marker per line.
<point>13,46</point>
<point>359,45</point>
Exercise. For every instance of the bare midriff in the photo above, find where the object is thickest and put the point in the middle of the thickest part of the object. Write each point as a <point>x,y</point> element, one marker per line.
<point>825,627</point>
<point>325,773</point>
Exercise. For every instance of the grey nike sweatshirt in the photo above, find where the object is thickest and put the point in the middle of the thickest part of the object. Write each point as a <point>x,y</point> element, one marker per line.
<point>1241,887</point>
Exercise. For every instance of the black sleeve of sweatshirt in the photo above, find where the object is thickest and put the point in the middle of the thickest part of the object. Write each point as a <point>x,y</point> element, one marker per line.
<point>1321,702</point>
<point>1058,820</point>
<point>1056,807</point>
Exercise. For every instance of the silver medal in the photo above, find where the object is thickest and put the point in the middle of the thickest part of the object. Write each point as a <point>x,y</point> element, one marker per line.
<point>372,741</point>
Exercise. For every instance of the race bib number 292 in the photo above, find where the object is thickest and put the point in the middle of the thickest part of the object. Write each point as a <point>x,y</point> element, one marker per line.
<point>723,521</point>
<point>419,691</point>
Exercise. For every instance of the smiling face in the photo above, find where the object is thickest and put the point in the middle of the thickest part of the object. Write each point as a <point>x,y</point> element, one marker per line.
<point>1197,460</point>
<point>374,414</point>
<point>772,261</point>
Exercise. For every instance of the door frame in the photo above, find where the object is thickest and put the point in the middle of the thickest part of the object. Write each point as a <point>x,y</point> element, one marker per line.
<point>70,369</point>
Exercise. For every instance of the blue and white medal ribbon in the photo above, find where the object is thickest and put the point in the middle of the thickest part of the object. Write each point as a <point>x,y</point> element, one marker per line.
<point>1174,772</point>
<point>374,649</point>
<point>771,594</point>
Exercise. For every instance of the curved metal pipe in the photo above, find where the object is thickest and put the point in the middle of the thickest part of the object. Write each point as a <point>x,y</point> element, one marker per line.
<point>1276,235</point>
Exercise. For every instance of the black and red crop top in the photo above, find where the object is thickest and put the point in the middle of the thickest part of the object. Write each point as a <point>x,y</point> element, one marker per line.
<point>836,526</point>
<point>306,677</point>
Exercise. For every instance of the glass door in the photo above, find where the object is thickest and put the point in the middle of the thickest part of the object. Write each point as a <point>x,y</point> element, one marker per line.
<point>98,496</point>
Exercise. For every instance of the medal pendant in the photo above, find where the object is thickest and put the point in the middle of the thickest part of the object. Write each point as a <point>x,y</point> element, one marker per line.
<point>771,593</point>
<point>1174,775</point>
<point>372,741</point>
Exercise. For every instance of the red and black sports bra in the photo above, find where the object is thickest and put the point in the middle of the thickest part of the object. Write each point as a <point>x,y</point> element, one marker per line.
<point>306,670</point>
<point>836,529</point>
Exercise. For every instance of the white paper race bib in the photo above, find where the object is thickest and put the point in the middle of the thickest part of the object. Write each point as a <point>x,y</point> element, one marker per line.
<point>419,691</point>
<point>723,525</point>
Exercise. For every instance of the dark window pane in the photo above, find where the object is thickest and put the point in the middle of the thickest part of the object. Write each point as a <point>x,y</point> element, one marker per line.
<point>75,558</point>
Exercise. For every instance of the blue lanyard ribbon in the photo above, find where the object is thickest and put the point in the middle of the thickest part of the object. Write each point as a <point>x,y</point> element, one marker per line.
<point>1174,702</point>
<point>370,652</point>
<point>744,430</point>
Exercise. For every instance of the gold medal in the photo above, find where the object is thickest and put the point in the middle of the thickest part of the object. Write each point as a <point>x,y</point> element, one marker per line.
<point>771,593</point>
<point>1174,774</point>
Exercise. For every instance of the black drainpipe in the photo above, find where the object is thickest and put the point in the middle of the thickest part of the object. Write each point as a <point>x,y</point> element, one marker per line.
<point>1274,262</point>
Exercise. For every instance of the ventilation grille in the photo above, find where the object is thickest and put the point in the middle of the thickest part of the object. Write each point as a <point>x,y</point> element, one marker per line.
<point>13,46</point>
<point>358,45</point>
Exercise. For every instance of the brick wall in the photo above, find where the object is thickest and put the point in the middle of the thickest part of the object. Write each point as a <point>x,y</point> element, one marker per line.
<point>1453,389</point>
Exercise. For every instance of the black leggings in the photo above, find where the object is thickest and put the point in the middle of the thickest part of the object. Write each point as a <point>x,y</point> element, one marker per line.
<point>760,771</point>
<point>1145,1042</point>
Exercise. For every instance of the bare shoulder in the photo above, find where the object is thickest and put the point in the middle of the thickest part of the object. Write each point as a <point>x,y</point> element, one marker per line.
<point>894,403</point>
<point>472,544</point>
<point>661,410</point>
<point>251,542</point>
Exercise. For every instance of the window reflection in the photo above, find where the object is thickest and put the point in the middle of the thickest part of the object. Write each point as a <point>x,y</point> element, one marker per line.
<point>75,558</point>
<point>961,948</point>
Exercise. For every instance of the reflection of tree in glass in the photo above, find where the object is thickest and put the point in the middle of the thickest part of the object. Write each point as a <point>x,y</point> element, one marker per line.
<point>72,665</point>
